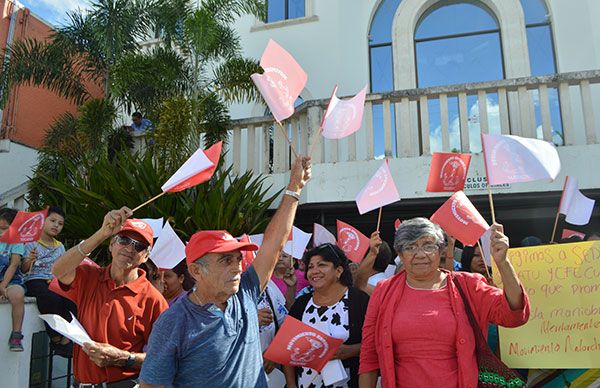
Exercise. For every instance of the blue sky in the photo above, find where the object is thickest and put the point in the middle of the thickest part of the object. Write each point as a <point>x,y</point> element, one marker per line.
<point>54,11</point>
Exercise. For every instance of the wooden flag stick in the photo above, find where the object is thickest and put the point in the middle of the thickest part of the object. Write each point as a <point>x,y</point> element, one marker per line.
<point>379,218</point>
<point>148,201</point>
<point>487,272</point>
<point>491,203</point>
<point>288,139</point>
<point>312,146</point>
<point>555,224</point>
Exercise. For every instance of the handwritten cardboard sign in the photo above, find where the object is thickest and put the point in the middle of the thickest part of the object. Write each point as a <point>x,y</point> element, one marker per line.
<point>563,283</point>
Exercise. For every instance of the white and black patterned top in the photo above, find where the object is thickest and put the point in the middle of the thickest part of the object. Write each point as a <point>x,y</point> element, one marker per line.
<point>332,320</point>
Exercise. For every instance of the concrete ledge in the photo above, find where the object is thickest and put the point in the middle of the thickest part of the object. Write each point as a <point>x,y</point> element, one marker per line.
<point>261,26</point>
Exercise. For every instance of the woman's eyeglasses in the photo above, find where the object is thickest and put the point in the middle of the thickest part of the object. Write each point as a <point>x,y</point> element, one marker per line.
<point>126,241</point>
<point>428,249</point>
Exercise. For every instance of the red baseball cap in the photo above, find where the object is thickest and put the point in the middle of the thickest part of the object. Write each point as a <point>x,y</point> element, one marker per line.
<point>140,227</point>
<point>214,241</point>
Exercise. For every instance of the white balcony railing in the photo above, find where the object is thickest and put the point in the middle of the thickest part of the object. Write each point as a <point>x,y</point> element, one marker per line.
<point>523,109</point>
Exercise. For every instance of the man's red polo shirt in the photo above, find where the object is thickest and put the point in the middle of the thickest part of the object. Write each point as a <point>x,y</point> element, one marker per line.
<point>120,316</point>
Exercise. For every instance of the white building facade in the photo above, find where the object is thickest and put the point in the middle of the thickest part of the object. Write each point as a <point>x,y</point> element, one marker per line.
<point>439,73</point>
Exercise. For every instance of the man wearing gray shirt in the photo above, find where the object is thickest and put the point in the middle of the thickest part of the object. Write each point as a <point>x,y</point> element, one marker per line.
<point>210,338</point>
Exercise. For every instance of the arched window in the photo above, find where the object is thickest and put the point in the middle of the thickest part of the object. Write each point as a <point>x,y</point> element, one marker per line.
<point>542,62</point>
<point>455,43</point>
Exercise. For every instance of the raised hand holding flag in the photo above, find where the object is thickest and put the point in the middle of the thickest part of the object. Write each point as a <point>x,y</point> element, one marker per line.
<point>459,218</point>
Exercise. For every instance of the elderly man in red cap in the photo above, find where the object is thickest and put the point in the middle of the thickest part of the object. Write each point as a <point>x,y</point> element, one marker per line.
<point>210,338</point>
<point>116,305</point>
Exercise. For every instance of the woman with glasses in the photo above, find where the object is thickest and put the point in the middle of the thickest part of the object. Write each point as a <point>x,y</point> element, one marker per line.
<point>416,332</point>
<point>334,307</point>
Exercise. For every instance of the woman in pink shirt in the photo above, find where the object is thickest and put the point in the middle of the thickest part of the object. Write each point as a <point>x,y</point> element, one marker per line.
<point>288,279</point>
<point>416,331</point>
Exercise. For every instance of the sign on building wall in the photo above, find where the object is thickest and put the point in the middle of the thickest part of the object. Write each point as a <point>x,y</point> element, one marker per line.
<point>563,283</point>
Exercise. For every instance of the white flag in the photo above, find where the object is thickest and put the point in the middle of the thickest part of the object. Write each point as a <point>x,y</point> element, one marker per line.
<point>294,247</point>
<point>576,206</point>
<point>169,250</point>
<point>322,236</point>
<point>156,224</point>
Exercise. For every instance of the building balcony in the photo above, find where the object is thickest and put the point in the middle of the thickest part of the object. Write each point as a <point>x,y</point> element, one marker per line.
<point>406,126</point>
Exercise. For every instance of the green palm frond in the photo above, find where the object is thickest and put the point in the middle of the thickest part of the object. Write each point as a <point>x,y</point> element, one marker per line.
<point>233,82</point>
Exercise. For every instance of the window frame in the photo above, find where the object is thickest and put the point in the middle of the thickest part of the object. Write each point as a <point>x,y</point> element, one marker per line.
<point>286,12</point>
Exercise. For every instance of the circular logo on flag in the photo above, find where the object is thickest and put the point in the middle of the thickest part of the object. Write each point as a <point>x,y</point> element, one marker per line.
<point>507,158</point>
<point>453,172</point>
<point>460,212</point>
<point>30,228</point>
<point>306,347</point>
<point>277,80</point>
<point>378,183</point>
<point>349,240</point>
<point>341,117</point>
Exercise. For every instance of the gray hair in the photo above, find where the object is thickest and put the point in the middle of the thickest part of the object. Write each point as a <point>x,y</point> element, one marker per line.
<point>414,229</point>
<point>201,261</point>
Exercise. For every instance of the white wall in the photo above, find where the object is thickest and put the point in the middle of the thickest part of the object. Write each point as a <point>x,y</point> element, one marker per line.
<point>14,366</point>
<point>16,165</point>
<point>339,182</point>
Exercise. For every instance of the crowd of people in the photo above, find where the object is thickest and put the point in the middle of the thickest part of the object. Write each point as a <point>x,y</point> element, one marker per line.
<point>402,312</point>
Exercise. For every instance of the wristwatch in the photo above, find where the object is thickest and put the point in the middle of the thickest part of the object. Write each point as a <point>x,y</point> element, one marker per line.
<point>130,360</point>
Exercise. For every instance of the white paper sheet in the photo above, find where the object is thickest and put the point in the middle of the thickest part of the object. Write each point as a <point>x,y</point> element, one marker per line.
<point>156,224</point>
<point>72,330</point>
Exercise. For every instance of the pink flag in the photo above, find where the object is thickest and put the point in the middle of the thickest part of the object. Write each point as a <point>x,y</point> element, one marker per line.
<point>448,172</point>
<point>576,206</point>
<point>197,169</point>
<point>26,227</point>
<point>513,159</point>
<point>459,218</point>
<point>352,242</point>
<point>282,81</point>
<point>379,191</point>
<point>343,118</point>
<point>322,236</point>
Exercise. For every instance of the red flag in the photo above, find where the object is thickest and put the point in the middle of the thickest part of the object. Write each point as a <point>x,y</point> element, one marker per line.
<point>352,242</point>
<point>26,227</point>
<point>512,159</point>
<point>281,83</point>
<point>397,223</point>
<point>379,191</point>
<point>197,169</point>
<point>566,233</point>
<point>459,218</point>
<point>247,256</point>
<point>298,344</point>
<point>448,172</point>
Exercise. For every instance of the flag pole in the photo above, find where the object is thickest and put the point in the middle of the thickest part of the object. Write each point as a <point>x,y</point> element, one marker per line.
<point>491,202</point>
<point>287,138</point>
<point>379,218</point>
<point>487,272</point>
<point>558,210</point>
<point>148,201</point>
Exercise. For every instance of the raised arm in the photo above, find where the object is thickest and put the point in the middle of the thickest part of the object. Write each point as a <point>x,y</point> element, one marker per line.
<point>365,268</point>
<point>64,267</point>
<point>511,284</point>
<point>279,228</point>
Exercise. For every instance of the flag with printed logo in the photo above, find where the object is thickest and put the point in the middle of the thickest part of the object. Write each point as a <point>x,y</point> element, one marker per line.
<point>460,219</point>
<point>350,240</point>
<point>448,172</point>
<point>379,191</point>
<point>26,227</point>
<point>513,159</point>
<point>301,345</point>
<point>282,82</point>
<point>343,117</point>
